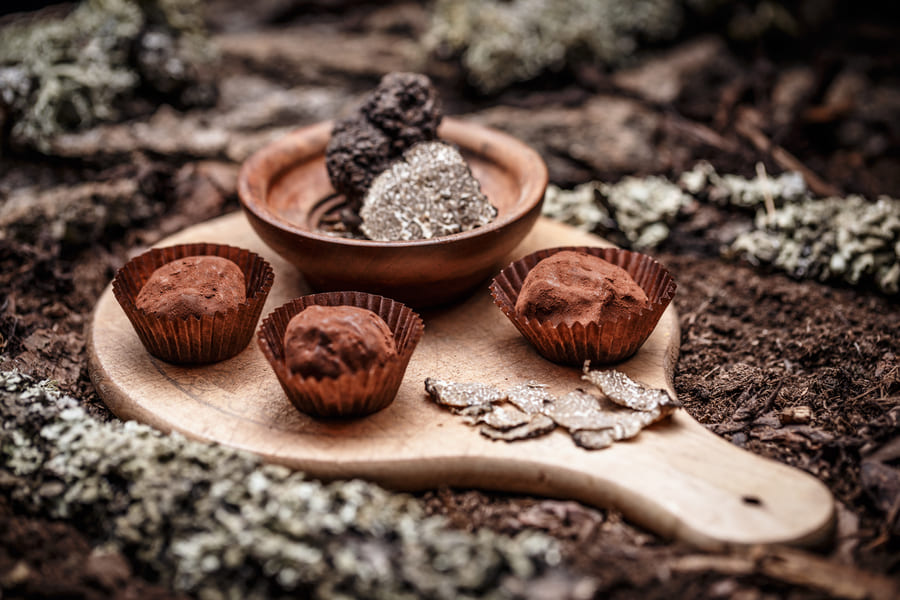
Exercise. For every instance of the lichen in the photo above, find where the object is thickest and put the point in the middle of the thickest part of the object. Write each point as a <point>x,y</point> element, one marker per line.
<point>503,41</point>
<point>219,523</point>
<point>65,74</point>
<point>642,209</point>
<point>851,240</point>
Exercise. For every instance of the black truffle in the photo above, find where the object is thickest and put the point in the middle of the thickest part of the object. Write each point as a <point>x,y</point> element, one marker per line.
<point>402,111</point>
<point>356,153</point>
<point>406,107</point>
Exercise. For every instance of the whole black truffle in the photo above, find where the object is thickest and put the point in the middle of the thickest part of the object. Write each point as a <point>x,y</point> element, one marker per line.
<point>406,107</point>
<point>356,153</point>
<point>401,112</point>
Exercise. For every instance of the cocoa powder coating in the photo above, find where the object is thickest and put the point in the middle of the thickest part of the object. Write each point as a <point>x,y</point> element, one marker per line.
<point>573,287</point>
<point>193,286</point>
<point>328,341</point>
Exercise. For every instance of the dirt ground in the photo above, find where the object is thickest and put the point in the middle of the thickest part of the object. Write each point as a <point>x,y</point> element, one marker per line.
<point>802,372</point>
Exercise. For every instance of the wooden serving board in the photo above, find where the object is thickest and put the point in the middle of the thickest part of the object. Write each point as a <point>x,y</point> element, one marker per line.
<point>676,478</point>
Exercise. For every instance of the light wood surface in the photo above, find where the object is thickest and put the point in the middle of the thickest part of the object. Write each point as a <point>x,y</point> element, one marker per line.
<point>676,478</point>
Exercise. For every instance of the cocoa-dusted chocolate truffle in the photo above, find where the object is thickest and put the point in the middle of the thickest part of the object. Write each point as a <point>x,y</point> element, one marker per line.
<point>402,111</point>
<point>573,287</point>
<point>328,341</point>
<point>193,286</point>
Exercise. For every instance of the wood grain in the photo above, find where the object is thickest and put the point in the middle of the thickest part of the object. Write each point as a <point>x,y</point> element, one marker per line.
<point>676,478</point>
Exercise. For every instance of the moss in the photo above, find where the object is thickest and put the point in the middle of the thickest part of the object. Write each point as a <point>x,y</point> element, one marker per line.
<point>218,523</point>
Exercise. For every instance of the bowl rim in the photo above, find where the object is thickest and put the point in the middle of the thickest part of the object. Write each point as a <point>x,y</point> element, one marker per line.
<point>275,158</point>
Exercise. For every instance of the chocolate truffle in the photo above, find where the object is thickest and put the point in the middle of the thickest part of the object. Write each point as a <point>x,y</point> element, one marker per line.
<point>574,287</point>
<point>193,286</point>
<point>401,112</point>
<point>328,341</point>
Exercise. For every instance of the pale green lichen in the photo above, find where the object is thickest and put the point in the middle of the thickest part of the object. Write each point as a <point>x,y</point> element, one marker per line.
<point>504,41</point>
<point>741,192</point>
<point>62,74</point>
<point>218,523</point>
<point>847,239</point>
<point>643,209</point>
<point>852,240</point>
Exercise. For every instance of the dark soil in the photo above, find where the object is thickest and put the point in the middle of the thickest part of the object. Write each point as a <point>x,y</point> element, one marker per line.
<point>798,371</point>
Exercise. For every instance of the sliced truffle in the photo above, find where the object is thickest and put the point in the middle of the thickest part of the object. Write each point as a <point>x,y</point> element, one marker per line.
<point>328,341</point>
<point>429,193</point>
<point>574,287</point>
<point>505,417</point>
<point>406,107</point>
<point>537,426</point>
<point>193,286</point>
<point>461,396</point>
<point>579,410</point>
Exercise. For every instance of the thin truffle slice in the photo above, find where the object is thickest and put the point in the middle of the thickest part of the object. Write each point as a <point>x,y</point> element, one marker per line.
<point>329,341</point>
<point>463,396</point>
<point>192,287</point>
<point>575,287</point>
<point>537,426</point>
<point>429,193</point>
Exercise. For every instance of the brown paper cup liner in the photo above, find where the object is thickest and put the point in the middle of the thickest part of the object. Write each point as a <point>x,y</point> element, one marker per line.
<point>194,340</point>
<point>350,394</point>
<point>599,342</point>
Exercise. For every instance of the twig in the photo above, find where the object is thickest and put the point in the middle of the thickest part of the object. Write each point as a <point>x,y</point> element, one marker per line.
<point>746,127</point>
<point>767,193</point>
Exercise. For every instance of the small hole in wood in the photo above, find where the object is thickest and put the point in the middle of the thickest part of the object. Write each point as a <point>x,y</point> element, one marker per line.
<point>752,500</point>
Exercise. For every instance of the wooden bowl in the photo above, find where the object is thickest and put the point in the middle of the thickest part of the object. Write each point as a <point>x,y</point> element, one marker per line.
<point>285,191</point>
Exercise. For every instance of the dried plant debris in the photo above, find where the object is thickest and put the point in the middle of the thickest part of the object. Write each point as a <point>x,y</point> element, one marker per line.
<point>60,75</point>
<point>528,410</point>
<point>215,522</point>
<point>429,193</point>
<point>501,42</point>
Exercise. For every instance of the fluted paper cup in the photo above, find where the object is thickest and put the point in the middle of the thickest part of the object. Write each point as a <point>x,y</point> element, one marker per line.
<point>601,342</point>
<point>353,394</point>
<point>195,340</point>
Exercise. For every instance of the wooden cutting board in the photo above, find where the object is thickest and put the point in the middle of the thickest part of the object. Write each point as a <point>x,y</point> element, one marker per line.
<point>676,478</point>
